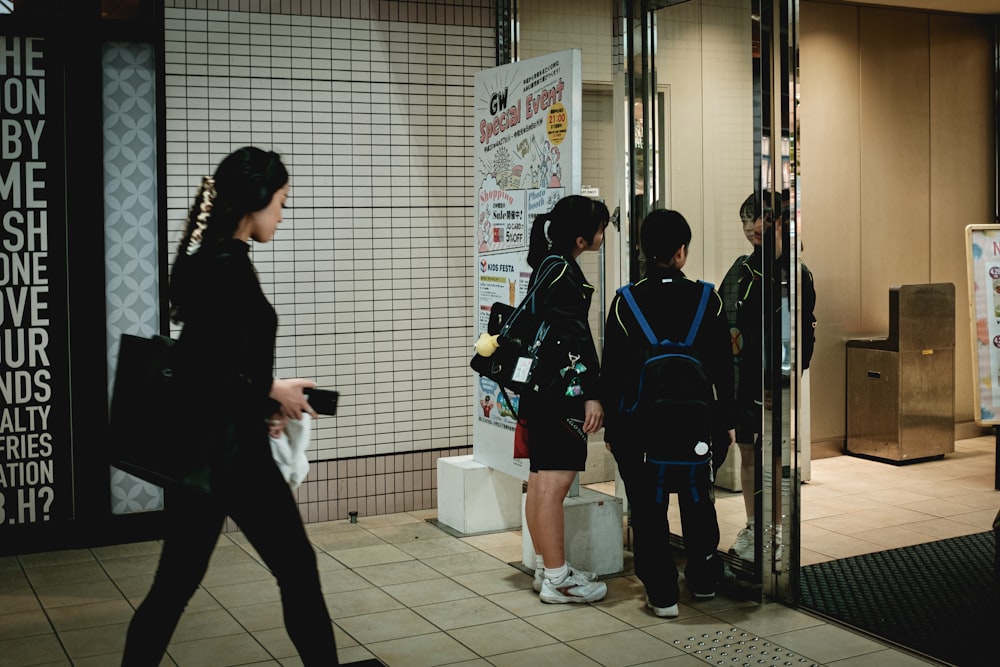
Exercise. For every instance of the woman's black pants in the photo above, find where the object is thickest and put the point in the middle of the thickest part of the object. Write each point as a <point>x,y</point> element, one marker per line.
<point>259,500</point>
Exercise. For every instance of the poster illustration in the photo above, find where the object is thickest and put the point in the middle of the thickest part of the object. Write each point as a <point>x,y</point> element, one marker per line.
<point>527,154</point>
<point>983,255</point>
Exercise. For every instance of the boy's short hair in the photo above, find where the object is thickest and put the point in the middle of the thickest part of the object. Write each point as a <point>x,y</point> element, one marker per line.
<point>663,233</point>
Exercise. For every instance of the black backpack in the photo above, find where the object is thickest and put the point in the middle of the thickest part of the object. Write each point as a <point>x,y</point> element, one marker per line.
<point>670,414</point>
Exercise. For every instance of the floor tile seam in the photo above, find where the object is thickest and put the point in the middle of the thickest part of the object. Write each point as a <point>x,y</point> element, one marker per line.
<point>413,607</point>
<point>871,529</point>
<point>242,631</point>
<point>26,571</point>
<point>45,611</point>
<point>908,527</point>
<point>328,552</point>
<point>222,584</point>
<point>114,582</point>
<point>251,634</point>
<point>483,656</point>
<point>228,609</point>
<point>834,533</point>
<point>54,632</point>
<point>365,645</point>
<point>400,583</point>
<point>20,558</point>
<point>486,656</point>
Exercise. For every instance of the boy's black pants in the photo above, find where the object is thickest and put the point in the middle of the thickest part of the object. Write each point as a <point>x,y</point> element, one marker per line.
<point>649,485</point>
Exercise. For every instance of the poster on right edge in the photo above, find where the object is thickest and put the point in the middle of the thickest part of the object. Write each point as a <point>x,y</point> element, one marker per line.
<point>983,255</point>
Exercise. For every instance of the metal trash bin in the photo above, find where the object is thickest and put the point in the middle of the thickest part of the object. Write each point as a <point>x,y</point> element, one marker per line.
<point>901,389</point>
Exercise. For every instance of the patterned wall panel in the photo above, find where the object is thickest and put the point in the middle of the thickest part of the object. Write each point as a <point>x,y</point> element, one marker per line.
<point>131,250</point>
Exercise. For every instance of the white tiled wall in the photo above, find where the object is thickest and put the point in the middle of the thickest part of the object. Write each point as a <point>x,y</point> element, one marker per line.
<point>369,104</point>
<point>370,108</point>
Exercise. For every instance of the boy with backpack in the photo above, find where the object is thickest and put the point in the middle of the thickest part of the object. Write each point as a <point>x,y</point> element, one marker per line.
<point>667,382</point>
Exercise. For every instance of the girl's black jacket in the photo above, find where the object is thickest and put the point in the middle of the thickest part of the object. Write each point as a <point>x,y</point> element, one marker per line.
<point>563,301</point>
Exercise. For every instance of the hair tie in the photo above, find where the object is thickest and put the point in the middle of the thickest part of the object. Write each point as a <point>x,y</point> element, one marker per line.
<point>545,230</point>
<point>204,212</point>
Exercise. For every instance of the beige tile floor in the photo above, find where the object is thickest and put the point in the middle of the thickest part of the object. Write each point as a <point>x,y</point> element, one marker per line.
<point>404,591</point>
<point>853,506</point>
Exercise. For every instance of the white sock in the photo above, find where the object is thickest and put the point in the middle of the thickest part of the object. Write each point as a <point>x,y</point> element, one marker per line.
<point>557,573</point>
<point>539,562</point>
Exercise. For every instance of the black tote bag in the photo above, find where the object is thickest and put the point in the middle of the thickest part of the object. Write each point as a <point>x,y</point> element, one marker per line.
<point>521,334</point>
<point>153,431</point>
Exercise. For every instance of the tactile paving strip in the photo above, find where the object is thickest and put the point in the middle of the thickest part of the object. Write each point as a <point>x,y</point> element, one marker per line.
<point>738,648</point>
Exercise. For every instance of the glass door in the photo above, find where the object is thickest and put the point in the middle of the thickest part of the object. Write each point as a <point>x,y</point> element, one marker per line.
<point>697,81</point>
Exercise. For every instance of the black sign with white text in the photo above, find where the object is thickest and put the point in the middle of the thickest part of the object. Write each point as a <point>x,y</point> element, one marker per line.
<point>36,478</point>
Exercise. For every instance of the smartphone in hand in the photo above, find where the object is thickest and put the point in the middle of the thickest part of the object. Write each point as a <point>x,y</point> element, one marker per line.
<point>323,401</point>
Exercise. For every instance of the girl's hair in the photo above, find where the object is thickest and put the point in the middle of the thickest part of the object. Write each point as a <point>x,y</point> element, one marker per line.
<point>556,232</point>
<point>243,183</point>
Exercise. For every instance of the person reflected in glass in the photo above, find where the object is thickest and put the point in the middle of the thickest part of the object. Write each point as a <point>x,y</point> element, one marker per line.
<point>742,292</point>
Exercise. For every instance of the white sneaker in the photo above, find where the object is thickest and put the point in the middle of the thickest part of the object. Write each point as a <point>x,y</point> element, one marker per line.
<point>664,612</point>
<point>574,587</point>
<point>540,575</point>
<point>743,546</point>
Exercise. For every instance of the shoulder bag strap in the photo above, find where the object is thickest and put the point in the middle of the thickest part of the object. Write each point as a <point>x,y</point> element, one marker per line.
<point>528,302</point>
<point>626,293</point>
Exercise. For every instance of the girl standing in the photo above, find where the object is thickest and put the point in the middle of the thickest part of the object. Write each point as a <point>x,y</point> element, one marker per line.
<point>559,421</point>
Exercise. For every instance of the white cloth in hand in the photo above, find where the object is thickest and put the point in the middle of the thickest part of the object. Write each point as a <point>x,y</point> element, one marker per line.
<point>289,450</point>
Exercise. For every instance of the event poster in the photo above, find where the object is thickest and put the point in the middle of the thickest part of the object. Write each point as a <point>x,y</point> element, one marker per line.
<point>527,122</point>
<point>983,250</point>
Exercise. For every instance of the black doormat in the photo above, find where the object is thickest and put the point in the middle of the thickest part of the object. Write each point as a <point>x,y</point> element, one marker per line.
<point>940,598</point>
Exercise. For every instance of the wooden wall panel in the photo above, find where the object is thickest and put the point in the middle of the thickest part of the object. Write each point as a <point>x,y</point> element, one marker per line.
<point>895,158</point>
<point>961,164</point>
<point>830,154</point>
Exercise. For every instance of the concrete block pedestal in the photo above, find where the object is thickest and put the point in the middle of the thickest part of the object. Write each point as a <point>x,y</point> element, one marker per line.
<point>594,533</point>
<point>728,476</point>
<point>474,498</point>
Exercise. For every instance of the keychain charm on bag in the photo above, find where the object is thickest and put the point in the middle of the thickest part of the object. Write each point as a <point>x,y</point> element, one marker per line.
<point>573,372</point>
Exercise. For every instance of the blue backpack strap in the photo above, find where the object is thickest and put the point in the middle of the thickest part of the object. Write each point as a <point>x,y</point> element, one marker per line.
<point>706,291</point>
<point>626,293</point>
